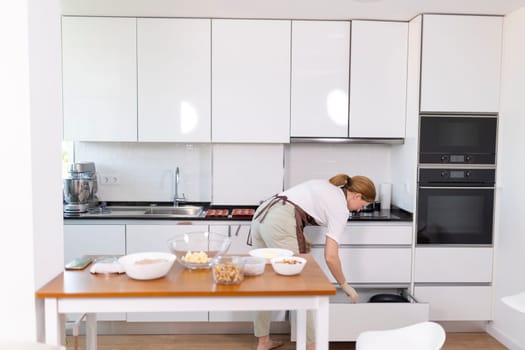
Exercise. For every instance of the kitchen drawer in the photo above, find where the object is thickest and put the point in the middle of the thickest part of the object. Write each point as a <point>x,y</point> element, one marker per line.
<point>239,316</point>
<point>366,234</point>
<point>453,264</point>
<point>457,303</point>
<point>370,265</point>
<point>348,320</point>
<point>192,316</point>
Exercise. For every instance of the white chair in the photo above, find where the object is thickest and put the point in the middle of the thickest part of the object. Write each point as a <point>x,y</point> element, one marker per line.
<point>419,336</point>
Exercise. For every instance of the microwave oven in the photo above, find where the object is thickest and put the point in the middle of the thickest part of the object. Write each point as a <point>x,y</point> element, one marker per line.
<point>458,139</point>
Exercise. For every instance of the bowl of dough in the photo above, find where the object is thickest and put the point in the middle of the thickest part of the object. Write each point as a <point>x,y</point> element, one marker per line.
<point>147,265</point>
<point>196,250</point>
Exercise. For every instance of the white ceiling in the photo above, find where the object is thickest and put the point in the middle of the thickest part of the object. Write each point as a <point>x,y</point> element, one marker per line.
<point>297,9</point>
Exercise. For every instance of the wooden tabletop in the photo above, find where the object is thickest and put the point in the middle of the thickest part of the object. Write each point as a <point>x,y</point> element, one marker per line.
<point>180,282</point>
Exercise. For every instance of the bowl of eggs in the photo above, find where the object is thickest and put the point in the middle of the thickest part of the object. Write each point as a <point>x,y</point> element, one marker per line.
<point>196,250</point>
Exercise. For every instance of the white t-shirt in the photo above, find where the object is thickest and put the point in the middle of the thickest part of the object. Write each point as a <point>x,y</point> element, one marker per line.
<point>324,202</point>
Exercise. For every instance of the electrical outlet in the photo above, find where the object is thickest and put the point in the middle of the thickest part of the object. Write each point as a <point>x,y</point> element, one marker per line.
<point>108,179</point>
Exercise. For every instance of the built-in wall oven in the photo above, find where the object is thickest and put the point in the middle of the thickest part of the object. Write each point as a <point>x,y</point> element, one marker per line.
<point>456,179</point>
<point>457,139</point>
<point>455,206</point>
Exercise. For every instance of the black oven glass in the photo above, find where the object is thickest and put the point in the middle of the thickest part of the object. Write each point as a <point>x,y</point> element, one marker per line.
<point>455,215</point>
<point>456,139</point>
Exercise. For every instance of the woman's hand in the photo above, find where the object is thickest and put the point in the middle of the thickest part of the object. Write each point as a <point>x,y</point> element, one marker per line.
<point>350,291</point>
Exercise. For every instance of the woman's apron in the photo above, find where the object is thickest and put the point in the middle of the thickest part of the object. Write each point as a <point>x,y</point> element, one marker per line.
<point>301,219</point>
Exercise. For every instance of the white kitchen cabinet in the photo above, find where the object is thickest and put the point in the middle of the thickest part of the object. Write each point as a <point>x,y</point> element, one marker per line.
<point>453,264</point>
<point>461,63</point>
<point>371,233</point>
<point>378,79</point>
<point>250,80</point>
<point>174,79</point>
<point>152,237</point>
<point>348,320</point>
<point>370,265</point>
<point>96,239</point>
<point>320,74</point>
<point>99,78</point>
<point>457,302</point>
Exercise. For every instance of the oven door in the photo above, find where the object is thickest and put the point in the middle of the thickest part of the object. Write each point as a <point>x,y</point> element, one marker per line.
<point>455,215</point>
<point>458,139</point>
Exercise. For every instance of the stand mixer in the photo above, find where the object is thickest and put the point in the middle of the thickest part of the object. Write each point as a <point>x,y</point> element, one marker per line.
<point>80,188</point>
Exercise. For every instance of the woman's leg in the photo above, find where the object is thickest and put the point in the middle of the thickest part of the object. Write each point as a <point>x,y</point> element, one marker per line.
<point>276,231</point>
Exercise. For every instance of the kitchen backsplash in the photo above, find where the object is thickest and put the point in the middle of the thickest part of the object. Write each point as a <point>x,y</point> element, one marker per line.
<point>224,173</point>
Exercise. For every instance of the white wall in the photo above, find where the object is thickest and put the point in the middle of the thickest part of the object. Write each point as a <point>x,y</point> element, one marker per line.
<point>508,325</point>
<point>30,131</point>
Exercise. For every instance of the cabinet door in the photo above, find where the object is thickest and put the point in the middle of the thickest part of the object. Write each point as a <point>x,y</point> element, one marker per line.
<point>320,73</point>
<point>95,240</point>
<point>99,78</point>
<point>143,238</point>
<point>453,264</point>
<point>457,303</point>
<point>174,79</point>
<point>461,63</point>
<point>251,81</point>
<point>371,265</point>
<point>378,78</point>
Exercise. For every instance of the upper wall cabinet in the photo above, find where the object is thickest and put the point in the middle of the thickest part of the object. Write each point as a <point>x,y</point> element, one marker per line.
<point>461,63</point>
<point>320,73</point>
<point>251,80</point>
<point>99,78</point>
<point>378,78</point>
<point>174,79</point>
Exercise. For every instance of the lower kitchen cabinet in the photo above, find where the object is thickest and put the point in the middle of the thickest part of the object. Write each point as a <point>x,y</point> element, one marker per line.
<point>457,303</point>
<point>348,320</point>
<point>95,240</point>
<point>142,238</point>
<point>370,265</point>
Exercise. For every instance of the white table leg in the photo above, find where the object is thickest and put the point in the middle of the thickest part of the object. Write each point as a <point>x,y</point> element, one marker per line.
<point>52,322</point>
<point>91,331</point>
<point>321,324</point>
<point>300,328</point>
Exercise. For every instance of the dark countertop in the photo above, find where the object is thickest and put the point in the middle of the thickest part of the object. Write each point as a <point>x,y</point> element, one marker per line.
<point>136,211</point>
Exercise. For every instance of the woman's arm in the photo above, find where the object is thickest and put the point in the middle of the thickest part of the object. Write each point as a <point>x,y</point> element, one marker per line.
<point>331,256</point>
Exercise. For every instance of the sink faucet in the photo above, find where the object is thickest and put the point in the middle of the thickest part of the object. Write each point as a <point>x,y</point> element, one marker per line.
<point>176,198</point>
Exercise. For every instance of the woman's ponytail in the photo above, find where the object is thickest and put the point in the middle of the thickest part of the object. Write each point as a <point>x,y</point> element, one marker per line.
<point>358,184</point>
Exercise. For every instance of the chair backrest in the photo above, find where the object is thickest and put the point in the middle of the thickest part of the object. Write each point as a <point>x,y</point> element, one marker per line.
<point>419,336</point>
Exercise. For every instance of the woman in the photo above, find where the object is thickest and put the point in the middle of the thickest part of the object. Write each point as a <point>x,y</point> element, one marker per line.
<point>279,223</point>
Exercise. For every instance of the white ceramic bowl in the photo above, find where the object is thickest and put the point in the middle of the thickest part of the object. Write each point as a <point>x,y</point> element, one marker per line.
<point>288,266</point>
<point>147,265</point>
<point>253,266</point>
<point>196,250</point>
<point>270,253</point>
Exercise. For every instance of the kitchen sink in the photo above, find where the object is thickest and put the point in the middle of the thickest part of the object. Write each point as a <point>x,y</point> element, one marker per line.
<point>186,211</point>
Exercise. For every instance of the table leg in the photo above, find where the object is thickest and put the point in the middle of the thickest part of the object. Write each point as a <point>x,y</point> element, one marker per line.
<point>91,331</point>
<point>321,324</point>
<point>300,328</point>
<point>52,322</point>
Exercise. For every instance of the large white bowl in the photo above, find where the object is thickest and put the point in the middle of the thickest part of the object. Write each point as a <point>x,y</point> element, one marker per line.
<point>288,266</point>
<point>147,265</point>
<point>270,253</point>
<point>189,247</point>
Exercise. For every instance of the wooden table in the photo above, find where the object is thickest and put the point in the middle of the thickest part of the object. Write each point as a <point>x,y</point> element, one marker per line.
<point>186,290</point>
